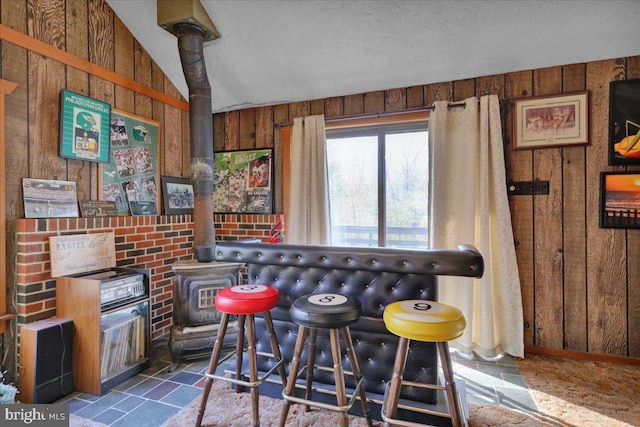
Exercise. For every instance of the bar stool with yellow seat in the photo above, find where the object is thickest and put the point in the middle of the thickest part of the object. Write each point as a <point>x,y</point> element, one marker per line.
<point>245,301</point>
<point>426,321</point>
<point>332,312</point>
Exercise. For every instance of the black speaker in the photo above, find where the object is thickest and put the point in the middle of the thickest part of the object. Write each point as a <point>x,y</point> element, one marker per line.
<point>46,350</point>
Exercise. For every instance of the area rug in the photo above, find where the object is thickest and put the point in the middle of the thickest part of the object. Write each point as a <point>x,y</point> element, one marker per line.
<point>569,393</point>
<point>581,393</point>
<point>229,409</point>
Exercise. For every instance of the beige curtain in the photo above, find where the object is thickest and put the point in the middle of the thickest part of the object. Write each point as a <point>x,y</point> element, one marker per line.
<point>309,220</point>
<point>469,205</point>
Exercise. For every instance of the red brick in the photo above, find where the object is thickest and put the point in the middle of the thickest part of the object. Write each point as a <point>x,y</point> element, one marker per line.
<point>34,268</point>
<point>144,259</point>
<point>40,277</point>
<point>32,308</point>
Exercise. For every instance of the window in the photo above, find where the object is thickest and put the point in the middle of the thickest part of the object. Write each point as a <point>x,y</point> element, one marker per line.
<point>378,185</point>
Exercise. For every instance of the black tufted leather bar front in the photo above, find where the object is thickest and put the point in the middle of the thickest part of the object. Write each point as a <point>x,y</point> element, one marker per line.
<point>376,276</point>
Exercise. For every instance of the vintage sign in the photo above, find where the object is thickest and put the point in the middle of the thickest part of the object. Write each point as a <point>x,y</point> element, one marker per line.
<point>84,127</point>
<point>81,253</point>
<point>97,208</point>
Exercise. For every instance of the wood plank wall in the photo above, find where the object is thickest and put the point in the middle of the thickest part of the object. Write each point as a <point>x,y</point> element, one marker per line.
<point>580,284</point>
<point>90,31</point>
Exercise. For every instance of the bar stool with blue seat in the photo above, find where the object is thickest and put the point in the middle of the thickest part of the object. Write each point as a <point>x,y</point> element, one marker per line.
<point>426,321</point>
<point>245,301</point>
<point>332,312</point>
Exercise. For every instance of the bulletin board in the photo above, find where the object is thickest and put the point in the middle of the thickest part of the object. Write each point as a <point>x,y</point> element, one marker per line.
<point>243,181</point>
<point>132,173</point>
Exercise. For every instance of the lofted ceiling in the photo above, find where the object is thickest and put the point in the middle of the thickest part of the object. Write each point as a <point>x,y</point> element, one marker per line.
<point>277,51</point>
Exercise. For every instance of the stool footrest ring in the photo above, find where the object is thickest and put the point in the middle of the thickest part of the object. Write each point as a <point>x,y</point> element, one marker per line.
<point>328,406</point>
<point>404,423</point>
<point>247,383</point>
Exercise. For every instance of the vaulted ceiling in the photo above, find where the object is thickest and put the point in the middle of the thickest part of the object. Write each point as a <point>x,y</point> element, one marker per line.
<point>279,51</point>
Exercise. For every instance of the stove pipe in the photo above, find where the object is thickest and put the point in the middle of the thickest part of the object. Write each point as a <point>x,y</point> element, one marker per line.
<point>190,43</point>
<point>190,23</point>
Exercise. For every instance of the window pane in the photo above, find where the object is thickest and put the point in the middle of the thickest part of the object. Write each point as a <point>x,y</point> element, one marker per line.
<point>406,189</point>
<point>353,175</point>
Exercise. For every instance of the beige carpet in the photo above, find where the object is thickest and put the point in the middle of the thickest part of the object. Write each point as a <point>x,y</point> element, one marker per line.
<point>568,393</point>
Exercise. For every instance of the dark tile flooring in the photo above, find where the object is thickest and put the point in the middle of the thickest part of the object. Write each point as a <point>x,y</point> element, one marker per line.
<point>155,395</point>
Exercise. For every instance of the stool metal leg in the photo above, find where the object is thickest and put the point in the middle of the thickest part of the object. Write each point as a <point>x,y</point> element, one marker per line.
<point>213,364</point>
<point>253,367</point>
<point>275,348</point>
<point>390,404</point>
<point>311,363</point>
<point>357,375</point>
<point>293,374</point>
<point>338,373</point>
<point>457,418</point>
<point>239,349</point>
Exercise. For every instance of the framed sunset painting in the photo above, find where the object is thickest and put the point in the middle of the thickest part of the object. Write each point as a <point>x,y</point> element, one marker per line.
<point>620,199</point>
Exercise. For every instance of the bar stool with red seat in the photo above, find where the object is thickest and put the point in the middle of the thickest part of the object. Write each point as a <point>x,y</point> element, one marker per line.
<point>245,301</point>
<point>426,321</point>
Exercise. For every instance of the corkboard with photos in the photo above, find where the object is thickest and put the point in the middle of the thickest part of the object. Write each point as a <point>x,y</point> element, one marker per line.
<point>132,173</point>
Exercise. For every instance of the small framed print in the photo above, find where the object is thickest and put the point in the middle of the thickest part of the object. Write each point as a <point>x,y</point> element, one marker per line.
<point>551,121</point>
<point>620,199</point>
<point>143,208</point>
<point>177,195</point>
<point>84,127</point>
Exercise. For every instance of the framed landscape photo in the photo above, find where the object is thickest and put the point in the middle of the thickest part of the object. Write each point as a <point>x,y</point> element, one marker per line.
<point>624,122</point>
<point>84,127</point>
<point>243,181</point>
<point>132,172</point>
<point>551,121</point>
<point>177,195</point>
<point>620,199</point>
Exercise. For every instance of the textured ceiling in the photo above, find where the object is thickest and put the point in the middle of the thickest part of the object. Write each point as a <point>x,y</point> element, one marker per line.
<point>273,52</point>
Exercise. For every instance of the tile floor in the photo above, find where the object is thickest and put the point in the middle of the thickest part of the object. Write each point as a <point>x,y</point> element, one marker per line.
<point>153,396</point>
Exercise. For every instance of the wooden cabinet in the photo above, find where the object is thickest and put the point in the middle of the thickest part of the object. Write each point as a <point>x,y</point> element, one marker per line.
<point>111,342</point>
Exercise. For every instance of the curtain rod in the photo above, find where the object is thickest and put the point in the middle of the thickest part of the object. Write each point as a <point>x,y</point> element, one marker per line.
<point>456,104</point>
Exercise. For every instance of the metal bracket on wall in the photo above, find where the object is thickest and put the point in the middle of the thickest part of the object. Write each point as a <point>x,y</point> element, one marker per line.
<point>529,188</point>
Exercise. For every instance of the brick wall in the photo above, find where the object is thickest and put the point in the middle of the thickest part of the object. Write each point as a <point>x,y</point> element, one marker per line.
<point>150,242</point>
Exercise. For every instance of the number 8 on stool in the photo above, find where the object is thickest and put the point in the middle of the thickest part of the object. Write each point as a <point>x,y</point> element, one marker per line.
<point>426,321</point>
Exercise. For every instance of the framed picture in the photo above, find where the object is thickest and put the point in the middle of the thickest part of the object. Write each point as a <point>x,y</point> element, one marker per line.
<point>132,173</point>
<point>243,181</point>
<point>551,121</point>
<point>624,122</point>
<point>143,208</point>
<point>84,127</point>
<point>177,195</point>
<point>620,199</point>
<point>45,198</point>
